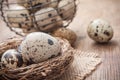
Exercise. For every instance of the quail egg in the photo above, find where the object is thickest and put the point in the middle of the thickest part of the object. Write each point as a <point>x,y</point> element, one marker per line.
<point>66,9</point>
<point>11,59</point>
<point>38,4</point>
<point>38,47</point>
<point>28,3</point>
<point>53,3</point>
<point>100,31</point>
<point>65,33</point>
<point>29,30</point>
<point>48,19</point>
<point>18,17</point>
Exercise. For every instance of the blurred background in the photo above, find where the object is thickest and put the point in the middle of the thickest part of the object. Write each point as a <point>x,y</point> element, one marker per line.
<point>88,10</point>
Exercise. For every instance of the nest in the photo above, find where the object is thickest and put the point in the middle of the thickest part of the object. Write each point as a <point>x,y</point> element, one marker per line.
<point>46,70</point>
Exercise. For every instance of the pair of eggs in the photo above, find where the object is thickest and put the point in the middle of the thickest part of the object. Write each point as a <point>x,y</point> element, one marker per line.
<point>35,48</point>
<point>47,18</point>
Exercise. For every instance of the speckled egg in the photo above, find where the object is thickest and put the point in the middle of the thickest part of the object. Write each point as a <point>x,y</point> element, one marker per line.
<point>11,59</point>
<point>27,3</point>
<point>18,17</point>
<point>38,4</point>
<point>48,19</point>
<point>38,47</point>
<point>100,31</point>
<point>53,3</point>
<point>66,34</point>
<point>66,9</point>
<point>27,31</point>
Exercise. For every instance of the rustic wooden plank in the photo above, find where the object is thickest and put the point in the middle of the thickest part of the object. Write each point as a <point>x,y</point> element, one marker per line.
<point>109,10</point>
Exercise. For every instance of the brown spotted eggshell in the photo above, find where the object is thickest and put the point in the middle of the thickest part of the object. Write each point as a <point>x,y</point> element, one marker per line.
<point>100,31</point>
<point>38,4</point>
<point>66,34</point>
<point>66,9</point>
<point>18,17</point>
<point>48,19</point>
<point>27,3</point>
<point>53,3</point>
<point>11,59</point>
<point>38,47</point>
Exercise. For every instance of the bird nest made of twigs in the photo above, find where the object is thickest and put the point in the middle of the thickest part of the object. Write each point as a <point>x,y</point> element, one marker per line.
<point>47,70</point>
<point>36,16</point>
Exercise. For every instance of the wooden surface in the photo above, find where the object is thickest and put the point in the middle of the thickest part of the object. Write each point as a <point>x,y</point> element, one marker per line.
<point>89,10</point>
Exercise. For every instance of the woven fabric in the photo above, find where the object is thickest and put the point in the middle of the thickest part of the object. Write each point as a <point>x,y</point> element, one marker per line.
<point>83,65</point>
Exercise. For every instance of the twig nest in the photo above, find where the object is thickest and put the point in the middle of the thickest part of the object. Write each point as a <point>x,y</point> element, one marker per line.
<point>66,34</point>
<point>66,9</point>
<point>38,47</point>
<point>11,59</point>
<point>48,19</point>
<point>100,31</point>
<point>47,70</point>
<point>18,17</point>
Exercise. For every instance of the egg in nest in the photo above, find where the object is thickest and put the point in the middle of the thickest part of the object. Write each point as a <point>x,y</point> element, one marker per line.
<point>38,47</point>
<point>11,59</point>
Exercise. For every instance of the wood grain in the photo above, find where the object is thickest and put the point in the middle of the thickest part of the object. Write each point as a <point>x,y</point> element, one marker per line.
<point>109,10</point>
<point>89,10</point>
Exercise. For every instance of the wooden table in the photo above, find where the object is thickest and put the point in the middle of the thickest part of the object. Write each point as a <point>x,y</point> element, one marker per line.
<point>89,10</point>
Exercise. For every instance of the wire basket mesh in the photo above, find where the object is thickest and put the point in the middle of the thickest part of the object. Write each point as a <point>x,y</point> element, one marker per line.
<point>37,15</point>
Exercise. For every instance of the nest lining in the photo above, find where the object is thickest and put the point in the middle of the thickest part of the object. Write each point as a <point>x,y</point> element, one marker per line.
<point>46,70</point>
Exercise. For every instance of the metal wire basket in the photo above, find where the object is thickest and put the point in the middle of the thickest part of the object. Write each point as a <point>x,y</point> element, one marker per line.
<point>37,15</point>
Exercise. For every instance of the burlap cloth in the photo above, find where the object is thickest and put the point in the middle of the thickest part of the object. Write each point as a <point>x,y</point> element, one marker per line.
<point>83,65</point>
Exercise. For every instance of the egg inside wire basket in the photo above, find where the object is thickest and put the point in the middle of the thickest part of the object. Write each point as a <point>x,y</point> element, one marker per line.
<point>37,15</point>
<point>48,69</point>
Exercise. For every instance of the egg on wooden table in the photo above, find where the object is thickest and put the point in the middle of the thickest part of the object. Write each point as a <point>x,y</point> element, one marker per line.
<point>38,47</point>
<point>100,31</point>
<point>66,9</point>
<point>11,59</point>
<point>48,19</point>
<point>18,17</point>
